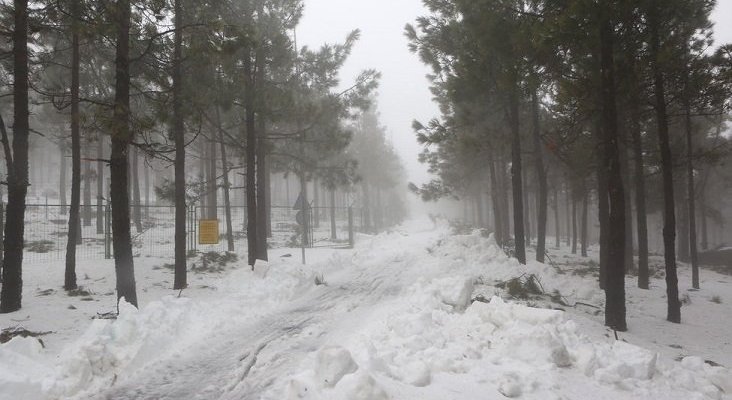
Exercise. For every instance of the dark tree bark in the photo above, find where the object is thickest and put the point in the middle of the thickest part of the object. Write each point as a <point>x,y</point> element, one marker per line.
<point>213,198</point>
<point>691,194</point>
<point>669,228</point>
<point>568,210</point>
<point>541,175</point>
<point>625,171</point>
<point>74,226</point>
<point>557,228</point>
<point>137,216</point>
<point>516,181</point>
<point>316,201</point>
<point>496,201</point>
<point>585,234</point>
<point>603,212</point>
<point>333,231</point>
<point>17,163</point>
<point>180,279</point>
<point>87,210</point>
<point>527,207</point>
<point>100,185</point>
<point>640,200</point>
<point>262,183</point>
<point>121,139</point>
<point>574,219</point>
<point>227,185</point>
<point>251,156</point>
<point>62,177</point>
<point>615,283</point>
<point>703,215</point>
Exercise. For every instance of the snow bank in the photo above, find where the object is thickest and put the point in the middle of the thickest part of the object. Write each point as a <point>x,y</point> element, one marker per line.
<point>432,334</point>
<point>112,349</point>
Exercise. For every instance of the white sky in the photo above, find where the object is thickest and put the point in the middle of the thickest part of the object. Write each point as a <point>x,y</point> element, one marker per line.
<point>403,94</point>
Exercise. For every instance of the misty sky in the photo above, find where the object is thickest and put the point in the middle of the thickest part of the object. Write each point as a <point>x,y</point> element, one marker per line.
<point>403,94</point>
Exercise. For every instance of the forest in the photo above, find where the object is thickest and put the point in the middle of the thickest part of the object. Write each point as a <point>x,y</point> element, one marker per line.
<point>199,106</point>
<point>224,199</point>
<point>612,112</point>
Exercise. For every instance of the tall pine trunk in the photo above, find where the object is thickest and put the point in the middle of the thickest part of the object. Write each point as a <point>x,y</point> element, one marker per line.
<point>669,226</point>
<point>137,216</point>
<point>74,226</point>
<point>251,156</point>
<point>691,194</point>
<point>17,163</point>
<point>213,198</point>
<point>640,200</point>
<point>121,139</point>
<point>516,171</point>
<point>227,185</point>
<point>87,211</point>
<point>496,201</point>
<point>585,233</point>
<point>333,231</point>
<point>100,184</point>
<point>541,175</point>
<point>557,228</point>
<point>180,280</point>
<point>62,177</point>
<point>262,183</point>
<point>615,269</point>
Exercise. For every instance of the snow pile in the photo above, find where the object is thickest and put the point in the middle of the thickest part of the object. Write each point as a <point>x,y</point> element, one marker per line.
<point>430,338</point>
<point>21,360</point>
<point>112,349</point>
<point>111,346</point>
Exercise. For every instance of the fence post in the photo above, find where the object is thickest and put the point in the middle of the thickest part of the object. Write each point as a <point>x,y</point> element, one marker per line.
<point>350,227</point>
<point>107,232</point>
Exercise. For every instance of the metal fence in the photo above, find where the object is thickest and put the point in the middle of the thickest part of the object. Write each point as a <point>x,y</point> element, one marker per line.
<point>46,230</point>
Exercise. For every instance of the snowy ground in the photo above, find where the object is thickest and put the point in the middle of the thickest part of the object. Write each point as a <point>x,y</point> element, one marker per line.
<point>393,319</point>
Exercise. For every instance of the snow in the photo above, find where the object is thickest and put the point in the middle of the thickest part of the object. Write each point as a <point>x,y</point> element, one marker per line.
<point>394,319</point>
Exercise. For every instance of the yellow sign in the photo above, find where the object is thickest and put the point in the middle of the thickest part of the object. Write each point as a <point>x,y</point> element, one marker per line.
<point>208,231</point>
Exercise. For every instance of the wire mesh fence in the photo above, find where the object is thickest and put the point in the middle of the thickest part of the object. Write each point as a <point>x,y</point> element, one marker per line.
<point>46,230</point>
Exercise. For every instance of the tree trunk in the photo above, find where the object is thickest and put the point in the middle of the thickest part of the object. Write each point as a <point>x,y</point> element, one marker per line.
<point>146,177</point>
<point>640,200</point>
<point>669,226</point>
<point>574,220</point>
<point>603,212</point>
<point>585,235</point>
<point>333,231</point>
<point>251,155</point>
<point>100,184</point>
<point>262,183</point>
<point>74,226</point>
<point>12,285</point>
<point>496,200</point>
<point>541,175</point>
<point>87,214</point>
<point>615,268</point>
<point>568,210</point>
<point>316,201</point>
<point>625,171</point>
<point>213,198</point>
<point>693,256</point>
<point>180,279</point>
<point>557,229</point>
<point>703,215</point>
<point>121,138</point>
<point>516,181</point>
<point>136,189</point>
<point>62,177</point>
<point>227,185</point>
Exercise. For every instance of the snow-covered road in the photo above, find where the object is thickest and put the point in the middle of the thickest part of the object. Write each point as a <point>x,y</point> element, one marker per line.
<point>393,320</point>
